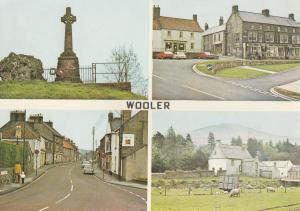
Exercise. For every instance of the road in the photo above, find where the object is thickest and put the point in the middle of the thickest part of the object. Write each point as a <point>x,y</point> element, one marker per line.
<point>67,188</point>
<point>176,80</point>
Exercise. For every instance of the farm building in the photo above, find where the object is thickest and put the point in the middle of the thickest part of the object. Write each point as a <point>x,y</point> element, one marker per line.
<point>277,169</point>
<point>228,158</point>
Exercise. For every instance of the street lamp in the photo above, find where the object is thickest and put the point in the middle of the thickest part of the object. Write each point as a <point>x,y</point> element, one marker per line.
<point>24,136</point>
<point>93,147</point>
<point>18,133</point>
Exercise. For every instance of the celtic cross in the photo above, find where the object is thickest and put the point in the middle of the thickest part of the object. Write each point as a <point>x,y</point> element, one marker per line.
<point>68,19</point>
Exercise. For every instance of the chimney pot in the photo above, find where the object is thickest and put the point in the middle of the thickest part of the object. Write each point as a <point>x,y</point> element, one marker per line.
<point>206,26</point>
<point>18,116</point>
<point>156,12</point>
<point>292,16</point>
<point>110,116</point>
<point>235,9</point>
<point>195,18</point>
<point>221,21</point>
<point>266,12</point>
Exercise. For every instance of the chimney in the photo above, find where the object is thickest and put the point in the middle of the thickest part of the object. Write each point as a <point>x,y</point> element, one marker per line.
<point>195,18</point>
<point>292,16</point>
<point>110,116</point>
<point>235,9</point>
<point>49,123</point>
<point>156,12</point>
<point>17,116</point>
<point>206,26</point>
<point>221,21</point>
<point>36,118</point>
<point>126,115</point>
<point>266,12</point>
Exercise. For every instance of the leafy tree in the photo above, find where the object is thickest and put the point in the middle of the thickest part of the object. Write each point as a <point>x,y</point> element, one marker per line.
<point>236,141</point>
<point>252,146</point>
<point>211,141</point>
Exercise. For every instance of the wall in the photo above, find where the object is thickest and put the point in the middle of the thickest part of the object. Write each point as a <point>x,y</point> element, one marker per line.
<point>115,153</point>
<point>217,164</point>
<point>234,25</point>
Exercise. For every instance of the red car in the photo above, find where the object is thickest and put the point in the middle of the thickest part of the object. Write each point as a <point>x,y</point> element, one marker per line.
<point>207,55</point>
<point>164,55</point>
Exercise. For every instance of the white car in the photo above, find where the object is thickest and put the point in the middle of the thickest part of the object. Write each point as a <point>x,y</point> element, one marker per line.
<point>179,55</point>
<point>88,169</point>
<point>85,163</point>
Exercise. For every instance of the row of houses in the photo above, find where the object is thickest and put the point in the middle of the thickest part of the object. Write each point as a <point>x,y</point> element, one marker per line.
<point>245,35</point>
<point>235,160</point>
<point>123,150</point>
<point>46,144</point>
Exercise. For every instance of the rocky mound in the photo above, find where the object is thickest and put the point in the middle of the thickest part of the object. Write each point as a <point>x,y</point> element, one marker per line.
<point>21,67</point>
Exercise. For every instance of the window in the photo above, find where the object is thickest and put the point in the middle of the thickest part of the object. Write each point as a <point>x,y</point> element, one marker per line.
<point>180,34</point>
<point>192,46</point>
<point>278,29</point>
<point>284,38</point>
<point>252,36</point>
<point>192,35</point>
<point>252,26</point>
<point>237,37</point>
<point>281,52</point>
<point>219,37</point>
<point>294,30</point>
<point>215,39</point>
<point>296,39</point>
<point>292,52</point>
<point>181,46</point>
<point>269,37</point>
<point>272,51</point>
<point>268,28</point>
<point>168,46</point>
<point>285,29</point>
<point>259,37</point>
<point>260,27</point>
<point>169,33</point>
<point>297,51</point>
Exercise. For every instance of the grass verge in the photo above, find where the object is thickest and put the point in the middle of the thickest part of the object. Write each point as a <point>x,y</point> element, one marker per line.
<point>59,90</point>
<point>278,67</point>
<point>236,72</point>
<point>288,93</point>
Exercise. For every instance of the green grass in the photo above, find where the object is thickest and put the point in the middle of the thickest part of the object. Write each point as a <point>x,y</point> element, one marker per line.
<point>59,90</point>
<point>178,200</point>
<point>235,72</point>
<point>288,93</point>
<point>278,67</point>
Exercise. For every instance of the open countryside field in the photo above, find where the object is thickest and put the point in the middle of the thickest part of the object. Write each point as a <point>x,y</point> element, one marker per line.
<point>179,200</point>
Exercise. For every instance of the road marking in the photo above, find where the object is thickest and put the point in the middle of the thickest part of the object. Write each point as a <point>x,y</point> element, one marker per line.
<point>43,208</point>
<point>64,198</point>
<point>197,90</point>
<point>161,78</point>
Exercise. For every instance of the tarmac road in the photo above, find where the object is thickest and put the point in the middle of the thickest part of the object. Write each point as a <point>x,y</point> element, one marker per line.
<point>175,80</point>
<point>67,188</point>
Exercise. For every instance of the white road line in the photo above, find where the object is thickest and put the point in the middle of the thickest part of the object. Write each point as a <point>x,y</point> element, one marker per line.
<point>197,90</point>
<point>72,188</point>
<point>43,208</point>
<point>161,78</point>
<point>64,198</point>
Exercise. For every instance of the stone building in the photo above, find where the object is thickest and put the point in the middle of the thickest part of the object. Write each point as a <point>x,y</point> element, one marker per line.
<point>214,39</point>
<point>69,151</point>
<point>135,156</point>
<point>262,36</point>
<point>175,34</point>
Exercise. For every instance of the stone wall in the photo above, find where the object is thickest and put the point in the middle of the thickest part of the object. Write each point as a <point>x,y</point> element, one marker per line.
<point>6,178</point>
<point>125,86</point>
<point>237,63</point>
<point>187,174</point>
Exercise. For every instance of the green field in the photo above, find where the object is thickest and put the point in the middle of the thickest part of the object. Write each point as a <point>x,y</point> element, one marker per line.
<point>59,90</point>
<point>278,67</point>
<point>235,72</point>
<point>179,200</point>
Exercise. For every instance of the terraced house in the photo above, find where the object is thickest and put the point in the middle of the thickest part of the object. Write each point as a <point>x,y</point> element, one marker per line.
<point>175,34</point>
<point>262,35</point>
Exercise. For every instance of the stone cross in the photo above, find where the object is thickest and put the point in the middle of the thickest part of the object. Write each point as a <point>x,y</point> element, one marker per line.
<point>68,19</point>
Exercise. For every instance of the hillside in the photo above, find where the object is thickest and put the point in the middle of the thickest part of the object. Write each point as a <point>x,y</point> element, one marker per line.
<point>225,132</point>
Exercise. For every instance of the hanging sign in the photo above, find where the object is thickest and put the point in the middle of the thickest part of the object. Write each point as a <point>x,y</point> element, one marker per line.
<point>128,140</point>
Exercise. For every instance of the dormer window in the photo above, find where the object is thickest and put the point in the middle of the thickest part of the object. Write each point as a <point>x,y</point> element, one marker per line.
<point>180,34</point>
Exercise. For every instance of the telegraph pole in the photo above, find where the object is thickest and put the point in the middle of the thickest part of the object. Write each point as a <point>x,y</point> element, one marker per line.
<point>24,136</point>
<point>93,147</point>
<point>120,146</point>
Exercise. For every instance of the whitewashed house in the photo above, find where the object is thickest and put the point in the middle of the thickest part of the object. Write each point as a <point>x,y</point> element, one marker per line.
<point>228,158</point>
<point>175,34</point>
<point>277,169</point>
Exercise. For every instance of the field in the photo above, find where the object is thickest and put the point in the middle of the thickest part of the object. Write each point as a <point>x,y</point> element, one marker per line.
<point>207,197</point>
<point>278,67</point>
<point>59,90</point>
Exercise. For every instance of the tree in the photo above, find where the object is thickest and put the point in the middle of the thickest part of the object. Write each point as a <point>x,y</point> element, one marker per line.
<point>211,141</point>
<point>236,141</point>
<point>126,69</point>
<point>252,146</point>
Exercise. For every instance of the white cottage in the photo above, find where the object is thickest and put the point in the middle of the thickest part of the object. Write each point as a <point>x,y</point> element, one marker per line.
<point>175,34</point>
<point>277,169</point>
<point>228,158</point>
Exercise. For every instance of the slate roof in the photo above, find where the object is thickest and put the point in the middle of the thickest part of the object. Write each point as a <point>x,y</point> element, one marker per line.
<point>46,131</point>
<point>234,152</point>
<point>9,130</point>
<point>260,18</point>
<point>176,24</point>
<point>279,164</point>
<point>115,124</point>
<point>214,29</point>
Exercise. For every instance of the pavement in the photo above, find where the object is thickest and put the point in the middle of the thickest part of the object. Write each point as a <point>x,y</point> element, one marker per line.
<point>65,187</point>
<point>113,180</point>
<point>292,87</point>
<point>176,80</point>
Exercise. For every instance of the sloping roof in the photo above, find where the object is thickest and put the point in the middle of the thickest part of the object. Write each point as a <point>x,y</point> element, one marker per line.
<point>235,152</point>
<point>9,130</point>
<point>115,124</point>
<point>214,29</point>
<point>260,18</point>
<point>279,164</point>
<point>67,145</point>
<point>176,24</point>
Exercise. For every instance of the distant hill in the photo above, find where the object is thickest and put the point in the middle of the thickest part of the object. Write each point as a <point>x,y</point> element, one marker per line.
<point>84,151</point>
<point>225,132</point>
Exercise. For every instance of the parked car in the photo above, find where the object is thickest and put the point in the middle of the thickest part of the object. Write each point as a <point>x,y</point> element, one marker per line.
<point>88,169</point>
<point>207,55</point>
<point>164,55</point>
<point>179,55</point>
<point>85,163</point>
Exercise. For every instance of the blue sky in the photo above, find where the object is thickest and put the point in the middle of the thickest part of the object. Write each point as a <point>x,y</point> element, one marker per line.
<point>75,124</point>
<point>33,27</point>
<point>277,123</point>
<point>210,10</point>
